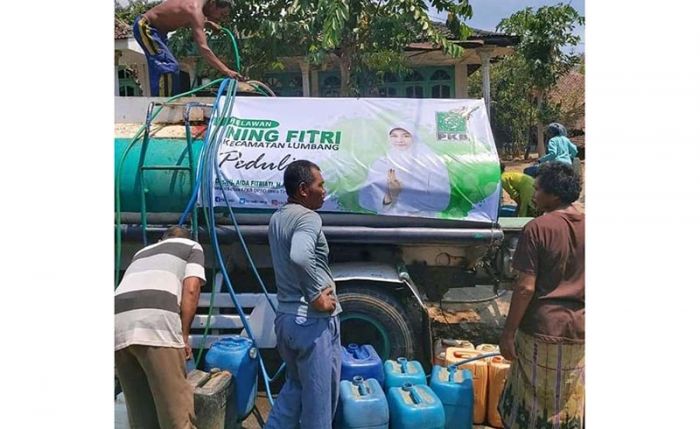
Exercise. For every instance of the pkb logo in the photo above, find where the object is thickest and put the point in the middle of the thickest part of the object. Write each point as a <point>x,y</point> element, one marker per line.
<point>452,125</point>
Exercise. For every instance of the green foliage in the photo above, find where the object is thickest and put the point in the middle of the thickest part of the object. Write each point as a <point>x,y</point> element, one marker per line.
<point>532,71</point>
<point>133,9</point>
<point>375,34</point>
<point>544,34</point>
<point>512,101</point>
<point>365,37</point>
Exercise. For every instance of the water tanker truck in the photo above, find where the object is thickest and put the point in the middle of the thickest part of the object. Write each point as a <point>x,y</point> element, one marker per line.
<point>389,261</point>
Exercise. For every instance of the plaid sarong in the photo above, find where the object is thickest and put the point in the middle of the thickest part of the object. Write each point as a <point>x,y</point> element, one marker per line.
<point>545,386</point>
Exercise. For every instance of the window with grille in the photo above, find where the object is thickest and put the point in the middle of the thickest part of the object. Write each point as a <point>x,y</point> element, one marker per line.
<point>285,84</point>
<point>330,84</point>
<point>128,83</point>
<point>434,82</point>
<point>422,82</point>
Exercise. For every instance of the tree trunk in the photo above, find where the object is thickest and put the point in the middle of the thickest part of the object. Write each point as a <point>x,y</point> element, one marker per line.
<point>526,156</point>
<point>344,74</point>
<point>540,127</point>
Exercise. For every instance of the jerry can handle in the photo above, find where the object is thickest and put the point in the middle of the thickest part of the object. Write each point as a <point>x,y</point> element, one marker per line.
<point>415,397</point>
<point>404,364</point>
<point>352,347</point>
<point>451,373</point>
<point>360,383</point>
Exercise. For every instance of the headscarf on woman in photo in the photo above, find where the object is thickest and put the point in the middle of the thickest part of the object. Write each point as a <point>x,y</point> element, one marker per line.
<point>409,180</point>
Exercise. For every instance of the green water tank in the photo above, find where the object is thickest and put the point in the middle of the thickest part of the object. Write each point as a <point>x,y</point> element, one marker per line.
<point>166,190</point>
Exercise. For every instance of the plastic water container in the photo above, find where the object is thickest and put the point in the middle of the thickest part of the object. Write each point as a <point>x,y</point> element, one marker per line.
<point>440,349</point>
<point>488,348</point>
<point>499,367</point>
<point>480,374</point>
<point>211,393</point>
<point>362,405</point>
<point>363,361</point>
<point>401,371</point>
<point>238,356</point>
<point>508,211</point>
<point>415,407</point>
<point>455,389</point>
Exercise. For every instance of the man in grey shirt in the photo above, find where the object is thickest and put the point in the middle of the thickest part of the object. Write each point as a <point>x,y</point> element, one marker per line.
<point>307,325</point>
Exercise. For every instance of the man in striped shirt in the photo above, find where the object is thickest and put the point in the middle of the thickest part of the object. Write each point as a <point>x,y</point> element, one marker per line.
<point>154,305</point>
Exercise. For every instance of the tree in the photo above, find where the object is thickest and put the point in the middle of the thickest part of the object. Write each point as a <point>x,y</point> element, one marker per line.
<point>513,111</point>
<point>133,9</point>
<point>365,38</point>
<point>544,34</point>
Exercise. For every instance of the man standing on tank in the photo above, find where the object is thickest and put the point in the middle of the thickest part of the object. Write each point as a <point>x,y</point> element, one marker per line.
<point>307,324</point>
<point>151,32</point>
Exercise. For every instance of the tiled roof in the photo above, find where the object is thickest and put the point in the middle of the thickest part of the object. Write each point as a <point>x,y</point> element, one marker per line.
<point>490,37</point>
<point>579,140</point>
<point>570,91</point>
<point>572,82</point>
<point>122,30</point>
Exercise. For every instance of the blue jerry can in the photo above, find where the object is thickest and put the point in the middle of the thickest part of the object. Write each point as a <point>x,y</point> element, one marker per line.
<point>455,388</point>
<point>362,405</point>
<point>238,356</point>
<point>401,371</point>
<point>508,211</point>
<point>363,361</point>
<point>415,407</point>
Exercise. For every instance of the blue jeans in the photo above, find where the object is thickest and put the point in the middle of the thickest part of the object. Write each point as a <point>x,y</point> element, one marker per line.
<point>311,349</point>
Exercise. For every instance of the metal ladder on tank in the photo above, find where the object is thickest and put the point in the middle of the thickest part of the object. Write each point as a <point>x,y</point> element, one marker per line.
<point>257,311</point>
<point>260,315</point>
<point>190,167</point>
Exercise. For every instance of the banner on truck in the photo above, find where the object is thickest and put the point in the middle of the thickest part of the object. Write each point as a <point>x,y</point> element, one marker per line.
<point>432,158</point>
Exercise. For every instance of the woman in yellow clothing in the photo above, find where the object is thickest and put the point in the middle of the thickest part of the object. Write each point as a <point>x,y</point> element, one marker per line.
<point>521,189</point>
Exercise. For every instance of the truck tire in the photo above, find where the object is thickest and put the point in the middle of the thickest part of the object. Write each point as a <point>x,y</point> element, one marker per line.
<point>372,316</point>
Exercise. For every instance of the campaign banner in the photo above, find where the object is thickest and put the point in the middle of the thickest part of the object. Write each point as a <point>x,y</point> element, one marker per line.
<point>432,158</point>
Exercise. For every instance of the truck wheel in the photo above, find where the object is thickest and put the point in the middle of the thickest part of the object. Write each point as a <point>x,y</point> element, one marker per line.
<point>372,316</point>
